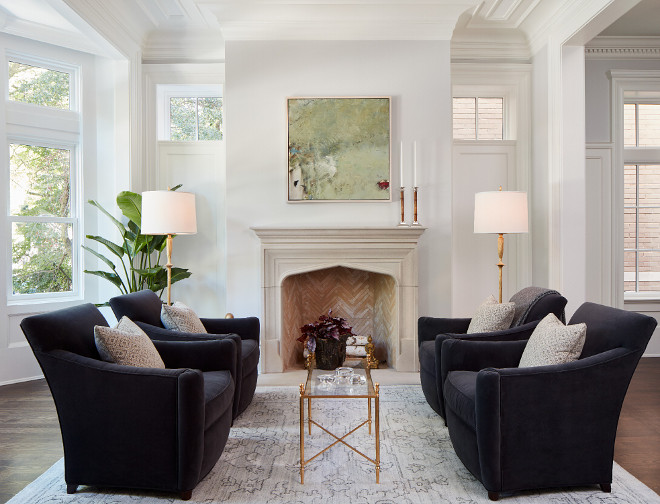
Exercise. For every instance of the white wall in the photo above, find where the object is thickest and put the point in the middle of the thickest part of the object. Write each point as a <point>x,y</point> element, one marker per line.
<point>261,75</point>
<point>540,178</point>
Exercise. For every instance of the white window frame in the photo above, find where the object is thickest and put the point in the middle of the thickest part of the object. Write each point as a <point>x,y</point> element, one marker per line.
<point>637,156</point>
<point>32,60</point>
<point>509,107</point>
<point>31,124</point>
<point>631,86</point>
<point>476,118</point>
<point>164,92</point>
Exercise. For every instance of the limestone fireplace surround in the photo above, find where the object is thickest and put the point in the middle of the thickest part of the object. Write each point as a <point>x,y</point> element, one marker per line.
<point>289,251</point>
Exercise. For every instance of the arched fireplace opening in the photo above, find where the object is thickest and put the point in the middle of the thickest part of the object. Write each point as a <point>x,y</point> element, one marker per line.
<point>367,300</point>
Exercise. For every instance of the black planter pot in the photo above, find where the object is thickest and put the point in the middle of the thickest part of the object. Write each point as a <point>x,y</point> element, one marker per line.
<point>330,353</point>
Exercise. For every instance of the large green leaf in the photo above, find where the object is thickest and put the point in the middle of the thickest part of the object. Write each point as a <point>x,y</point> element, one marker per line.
<point>135,229</point>
<point>111,277</point>
<point>101,256</point>
<point>113,247</point>
<point>141,242</point>
<point>180,274</point>
<point>119,225</point>
<point>130,204</point>
<point>148,272</point>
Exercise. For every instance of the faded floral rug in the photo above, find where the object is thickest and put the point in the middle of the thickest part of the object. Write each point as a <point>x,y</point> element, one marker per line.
<point>260,463</point>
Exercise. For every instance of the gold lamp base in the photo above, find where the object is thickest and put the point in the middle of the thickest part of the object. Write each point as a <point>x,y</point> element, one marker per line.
<point>500,265</point>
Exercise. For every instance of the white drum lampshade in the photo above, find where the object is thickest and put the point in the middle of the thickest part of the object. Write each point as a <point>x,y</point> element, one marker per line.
<point>168,213</point>
<point>500,212</point>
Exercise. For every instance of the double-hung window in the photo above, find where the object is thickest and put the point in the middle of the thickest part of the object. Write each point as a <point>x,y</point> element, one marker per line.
<point>642,197</point>
<point>43,152</point>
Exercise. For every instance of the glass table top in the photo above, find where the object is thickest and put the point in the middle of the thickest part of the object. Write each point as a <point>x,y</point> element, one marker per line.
<point>322,383</point>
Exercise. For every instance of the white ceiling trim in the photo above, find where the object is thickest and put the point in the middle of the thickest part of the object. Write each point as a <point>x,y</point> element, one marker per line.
<point>489,51</point>
<point>623,48</point>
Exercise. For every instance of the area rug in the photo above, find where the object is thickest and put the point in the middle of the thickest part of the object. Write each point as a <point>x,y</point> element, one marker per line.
<point>260,463</point>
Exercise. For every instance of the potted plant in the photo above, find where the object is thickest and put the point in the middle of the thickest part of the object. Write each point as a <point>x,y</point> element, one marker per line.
<point>326,339</point>
<point>137,263</point>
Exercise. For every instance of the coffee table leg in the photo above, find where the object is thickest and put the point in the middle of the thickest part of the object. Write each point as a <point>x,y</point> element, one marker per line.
<point>309,414</point>
<point>302,434</point>
<point>377,408</point>
<point>369,417</point>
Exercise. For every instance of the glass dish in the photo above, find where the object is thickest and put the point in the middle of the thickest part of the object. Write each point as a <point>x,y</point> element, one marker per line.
<point>327,379</point>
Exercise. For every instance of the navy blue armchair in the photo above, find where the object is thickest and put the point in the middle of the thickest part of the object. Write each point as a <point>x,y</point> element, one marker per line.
<point>553,426</point>
<point>144,307</point>
<point>130,427</point>
<point>432,332</point>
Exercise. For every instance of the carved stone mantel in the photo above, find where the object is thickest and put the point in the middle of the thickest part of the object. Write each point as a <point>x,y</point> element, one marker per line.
<point>288,251</point>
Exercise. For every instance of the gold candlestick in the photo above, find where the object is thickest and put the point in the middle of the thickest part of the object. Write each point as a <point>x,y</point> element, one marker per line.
<point>415,223</point>
<point>403,218</point>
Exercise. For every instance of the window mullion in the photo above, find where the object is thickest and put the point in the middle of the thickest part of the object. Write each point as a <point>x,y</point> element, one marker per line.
<point>636,228</point>
<point>476,118</point>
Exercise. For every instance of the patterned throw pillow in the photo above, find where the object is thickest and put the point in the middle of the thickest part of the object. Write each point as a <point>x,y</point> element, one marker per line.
<point>126,344</point>
<point>492,316</point>
<point>179,317</point>
<point>553,343</point>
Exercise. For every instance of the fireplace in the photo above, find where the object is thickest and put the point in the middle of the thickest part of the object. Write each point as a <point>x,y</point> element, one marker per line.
<point>369,276</point>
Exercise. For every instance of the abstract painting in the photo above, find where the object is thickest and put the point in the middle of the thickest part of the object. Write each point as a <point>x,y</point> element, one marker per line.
<point>339,149</point>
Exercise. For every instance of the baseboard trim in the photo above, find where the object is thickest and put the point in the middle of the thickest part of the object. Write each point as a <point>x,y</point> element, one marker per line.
<point>21,380</point>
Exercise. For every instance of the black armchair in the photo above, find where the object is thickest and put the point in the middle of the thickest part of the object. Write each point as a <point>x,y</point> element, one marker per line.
<point>433,331</point>
<point>144,307</point>
<point>130,427</point>
<point>547,426</point>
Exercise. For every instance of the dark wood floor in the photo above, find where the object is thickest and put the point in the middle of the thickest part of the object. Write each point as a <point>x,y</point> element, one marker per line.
<point>30,439</point>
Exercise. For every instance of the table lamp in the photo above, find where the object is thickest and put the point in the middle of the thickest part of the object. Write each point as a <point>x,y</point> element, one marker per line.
<point>500,212</point>
<point>168,213</point>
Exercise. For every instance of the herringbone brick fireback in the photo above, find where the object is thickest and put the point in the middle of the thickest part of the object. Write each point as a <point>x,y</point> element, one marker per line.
<point>366,300</point>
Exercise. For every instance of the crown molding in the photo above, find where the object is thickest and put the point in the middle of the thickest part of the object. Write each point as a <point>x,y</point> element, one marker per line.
<point>466,51</point>
<point>184,46</point>
<point>49,35</point>
<point>623,48</point>
<point>111,24</point>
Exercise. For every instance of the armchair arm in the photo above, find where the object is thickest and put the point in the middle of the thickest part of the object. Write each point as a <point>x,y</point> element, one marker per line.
<point>246,328</point>
<point>466,355</point>
<point>553,425</point>
<point>210,355</point>
<point>429,327</point>
<point>152,419</point>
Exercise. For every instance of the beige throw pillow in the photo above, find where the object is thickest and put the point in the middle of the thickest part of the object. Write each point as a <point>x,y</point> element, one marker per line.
<point>126,344</point>
<point>553,343</point>
<point>179,317</point>
<point>492,316</point>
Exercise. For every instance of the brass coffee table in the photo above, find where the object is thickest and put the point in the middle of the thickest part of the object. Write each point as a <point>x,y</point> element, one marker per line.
<point>313,389</point>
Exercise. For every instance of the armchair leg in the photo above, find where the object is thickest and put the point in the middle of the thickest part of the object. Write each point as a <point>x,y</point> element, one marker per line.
<point>71,488</point>
<point>606,487</point>
<point>494,496</point>
<point>186,495</point>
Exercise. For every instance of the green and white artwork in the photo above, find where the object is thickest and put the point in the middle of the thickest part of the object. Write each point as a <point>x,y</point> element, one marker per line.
<point>339,149</point>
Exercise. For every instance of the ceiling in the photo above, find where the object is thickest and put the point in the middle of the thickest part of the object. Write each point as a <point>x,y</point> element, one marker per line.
<point>643,20</point>
<point>169,27</point>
